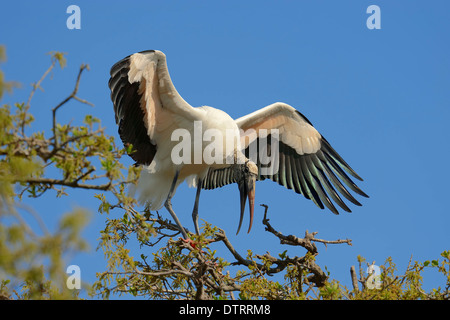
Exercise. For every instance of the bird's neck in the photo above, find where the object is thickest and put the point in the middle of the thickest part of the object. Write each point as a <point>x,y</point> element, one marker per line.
<point>239,157</point>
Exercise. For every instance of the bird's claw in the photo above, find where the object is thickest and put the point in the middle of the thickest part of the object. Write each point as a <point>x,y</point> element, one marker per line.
<point>194,244</point>
<point>191,242</point>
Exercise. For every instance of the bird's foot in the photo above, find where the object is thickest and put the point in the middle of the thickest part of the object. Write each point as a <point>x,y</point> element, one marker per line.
<point>196,245</point>
<point>191,242</point>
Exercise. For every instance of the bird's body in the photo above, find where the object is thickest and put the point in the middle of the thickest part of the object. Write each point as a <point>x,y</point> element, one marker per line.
<point>156,178</point>
<point>175,142</point>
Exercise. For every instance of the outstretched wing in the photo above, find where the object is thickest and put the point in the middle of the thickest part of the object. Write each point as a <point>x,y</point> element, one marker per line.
<point>145,103</point>
<point>304,160</point>
<point>217,178</point>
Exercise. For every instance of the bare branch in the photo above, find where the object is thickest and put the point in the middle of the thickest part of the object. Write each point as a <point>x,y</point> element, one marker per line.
<point>73,184</point>
<point>38,84</point>
<point>306,242</point>
<point>71,96</point>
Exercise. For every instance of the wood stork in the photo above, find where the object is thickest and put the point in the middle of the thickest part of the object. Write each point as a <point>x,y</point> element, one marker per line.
<point>148,110</point>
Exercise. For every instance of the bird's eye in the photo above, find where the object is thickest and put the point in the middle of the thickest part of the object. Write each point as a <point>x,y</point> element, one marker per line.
<point>246,169</point>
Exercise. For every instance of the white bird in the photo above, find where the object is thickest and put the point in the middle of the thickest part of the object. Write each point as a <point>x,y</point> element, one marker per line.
<point>149,110</point>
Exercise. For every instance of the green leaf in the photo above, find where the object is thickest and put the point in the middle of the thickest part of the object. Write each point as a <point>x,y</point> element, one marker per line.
<point>283,254</point>
<point>59,57</point>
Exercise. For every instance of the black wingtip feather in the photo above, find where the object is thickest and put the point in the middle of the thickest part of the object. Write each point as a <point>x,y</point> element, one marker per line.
<point>330,150</point>
<point>314,176</point>
<point>128,113</point>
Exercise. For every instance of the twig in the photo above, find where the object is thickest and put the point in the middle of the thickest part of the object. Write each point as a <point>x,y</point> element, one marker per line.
<point>38,84</point>
<point>305,242</point>
<point>73,184</point>
<point>71,96</point>
<point>220,236</point>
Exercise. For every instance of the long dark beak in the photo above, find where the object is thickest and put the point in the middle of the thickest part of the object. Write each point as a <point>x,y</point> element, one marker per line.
<point>247,189</point>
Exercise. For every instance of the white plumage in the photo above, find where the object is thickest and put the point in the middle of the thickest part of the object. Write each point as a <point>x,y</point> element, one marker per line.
<point>154,184</point>
<point>150,113</point>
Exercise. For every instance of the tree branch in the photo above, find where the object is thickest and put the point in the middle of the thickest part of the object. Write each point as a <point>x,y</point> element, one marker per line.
<point>71,96</point>
<point>73,184</point>
<point>306,242</point>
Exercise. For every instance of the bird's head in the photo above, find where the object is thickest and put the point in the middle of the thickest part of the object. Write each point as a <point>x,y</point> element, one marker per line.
<point>246,174</point>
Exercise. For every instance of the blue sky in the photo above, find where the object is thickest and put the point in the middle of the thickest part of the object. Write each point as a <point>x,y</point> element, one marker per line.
<point>380,97</point>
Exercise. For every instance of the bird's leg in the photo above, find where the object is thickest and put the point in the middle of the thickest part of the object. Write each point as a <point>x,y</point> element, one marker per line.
<point>168,205</point>
<point>195,211</point>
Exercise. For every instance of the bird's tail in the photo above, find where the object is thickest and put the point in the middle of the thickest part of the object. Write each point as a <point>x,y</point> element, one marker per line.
<point>152,188</point>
